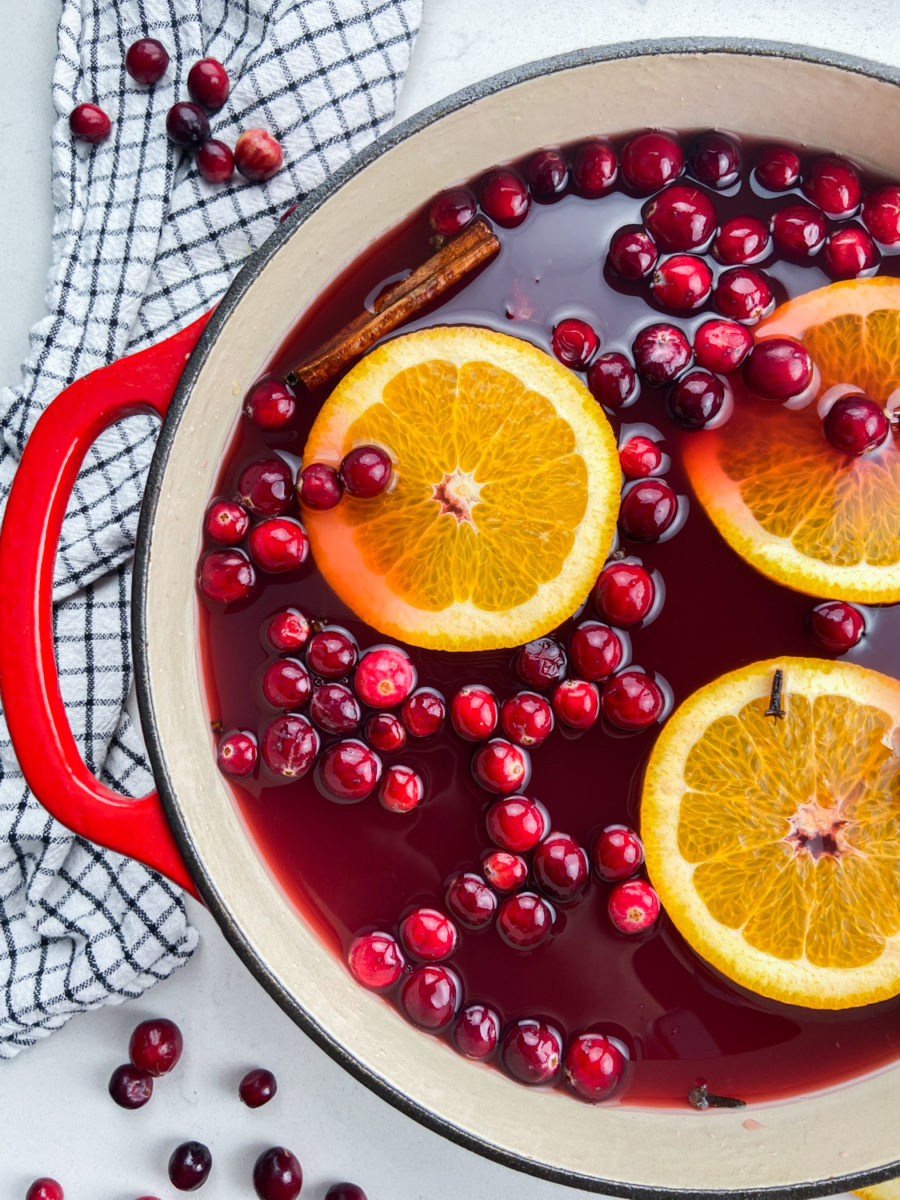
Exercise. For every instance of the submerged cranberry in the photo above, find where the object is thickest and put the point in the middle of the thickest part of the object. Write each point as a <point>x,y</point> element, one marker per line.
<point>612,380</point>
<point>366,471</point>
<point>286,683</point>
<point>624,593</point>
<point>516,823</point>
<point>146,60</point>
<point>650,161</point>
<point>617,852</point>
<point>270,403</point>
<point>640,457</point>
<point>660,353</point>
<point>504,870</point>
<point>682,282</point>
<point>385,677</point>
<point>680,218</point>
<point>428,935</point>
<point>226,576</point>
<point>215,161</point>
<point>696,399</point>
<point>349,771</point>
<point>532,1051</point>
<point>547,174</point>
<point>290,745</point>
<point>632,701</point>
<point>266,487</point>
<point>385,732</point>
<point>505,198</point>
<point>287,630</point>
<point>560,867</point>
<point>451,211</point>
<point>334,708</point>
<point>648,509</point>
<point>257,155</point>
<point>777,168</point>
<point>836,626</point>
<point>477,1031</point>
<point>525,920</point>
<point>742,294</point>
<point>376,960</point>
<point>474,712</point>
<point>187,125</point>
<point>576,703</point>
<point>541,663</point>
<point>595,649</point>
<point>799,229</point>
<point>633,907</point>
<point>715,160</point>
<point>742,240</point>
<point>778,368</point>
<point>526,719</point>
<point>278,544</point>
<point>881,215</point>
<point>574,343</point>
<point>431,996</point>
<point>501,767</point>
<point>856,425</point>
<point>332,652</point>
<point>594,1066</point>
<point>470,900</point>
<point>189,1166</point>
<point>849,252</point>
<point>632,252</point>
<point>721,345</point>
<point>208,83</point>
<point>594,168</point>
<point>156,1045</point>
<point>402,789</point>
<point>319,486</point>
<point>89,123</point>
<point>833,185</point>
<point>424,712</point>
<point>257,1087</point>
<point>277,1174</point>
<point>226,522</point>
<point>130,1086</point>
<point>237,753</point>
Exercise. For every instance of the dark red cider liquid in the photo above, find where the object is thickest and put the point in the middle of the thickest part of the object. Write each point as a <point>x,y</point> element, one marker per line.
<point>354,868</point>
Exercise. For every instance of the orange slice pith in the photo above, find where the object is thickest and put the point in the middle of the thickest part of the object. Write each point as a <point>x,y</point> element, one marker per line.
<point>775,844</point>
<point>505,497</point>
<point>788,502</point>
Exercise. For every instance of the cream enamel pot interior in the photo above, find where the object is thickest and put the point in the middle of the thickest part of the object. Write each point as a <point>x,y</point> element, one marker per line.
<point>812,1145</point>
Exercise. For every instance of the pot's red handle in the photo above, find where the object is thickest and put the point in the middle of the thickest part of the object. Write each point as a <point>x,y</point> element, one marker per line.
<point>29,683</point>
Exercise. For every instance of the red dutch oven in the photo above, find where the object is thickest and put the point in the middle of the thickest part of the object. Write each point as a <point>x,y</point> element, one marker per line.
<point>190,829</point>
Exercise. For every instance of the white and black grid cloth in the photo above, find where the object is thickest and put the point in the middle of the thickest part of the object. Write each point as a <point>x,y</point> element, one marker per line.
<point>141,246</point>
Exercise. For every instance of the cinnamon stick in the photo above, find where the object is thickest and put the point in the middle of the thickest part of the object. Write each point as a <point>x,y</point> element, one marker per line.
<point>455,259</point>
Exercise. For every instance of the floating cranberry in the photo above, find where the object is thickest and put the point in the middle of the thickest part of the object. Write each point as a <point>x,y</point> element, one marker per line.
<point>349,771</point>
<point>505,198</point>
<point>226,522</point>
<point>257,1087</point>
<point>286,683</point>
<point>833,185</point>
<point>648,509</point>
<point>156,1046</point>
<point>257,155</point>
<point>849,252</point>
<point>632,252</point>
<point>366,471</point>
<point>560,867</point>
<point>640,457</point>
<point>856,425</point>
<point>881,215</point>
<point>525,920</point>
<point>715,160</point>
<point>385,732</point>
<point>237,753</point>
<point>836,626</point>
<point>574,343</point>
<point>799,229</point>
<point>431,996</point>
<point>742,294</point>
<point>345,1191</point>
<point>777,168</point>
<point>547,174</point>
<point>696,399</point>
<point>376,960</point>
<point>277,1174</point>
<point>516,823</point>
<point>278,544</point>
<point>319,486</point>
<point>424,712</point>
<point>505,871</point>
<point>332,652</point>
<point>501,767</point>
<point>290,745</point>
<point>130,1086</point>
<point>402,789</point>
<point>531,1051</point>
<point>146,60</point>
<point>451,211</point>
<point>208,83</point>
<point>721,345</point>
<point>612,380</point>
<point>660,353</point>
<point>632,701</point>
<point>594,168</point>
<point>226,576</point>
<point>187,125</point>
<point>576,703</point>
<point>596,651</point>
<point>270,403</point>
<point>633,907</point>
<point>474,712</point>
<point>189,1166</point>
<point>45,1188</point>
<point>778,368</point>
<point>681,218</point>
<point>650,161</point>
<point>477,1031</point>
<point>594,1066</point>
<point>385,677</point>
<point>624,593</point>
<point>617,852</point>
<point>428,935</point>
<point>334,708</point>
<point>470,900</point>
<point>266,487</point>
<point>541,663</point>
<point>287,630</point>
<point>215,161</point>
<point>89,123</point>
<point>526,719</point>
<point>742,240</point>
<point>682,283</point>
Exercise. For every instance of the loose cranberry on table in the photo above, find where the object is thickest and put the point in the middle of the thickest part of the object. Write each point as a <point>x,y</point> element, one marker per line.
<point>576,703</point>
<point>594,168</point>
<point>257,1087</point>
<point>836,626</point>
<point>624,593</point>
<point>696,399</point>
<point>156,1045</point>
<point>277,1174</point>
<point>516,823</point>
<point>525,920</point>
<point>237,753</point>
<point>146,60</point>
<point>856,425</point>
<point>632,701</point>
<point>266,487</point>
<point>834,185</point>
<point>286,683</point>
<point>215,161</point>
<point>742,240</point>
<point>612,380</point>
<point>89,123</point>
<point>130,1086</point>
<point>647,510</point>
<point>270,403</point>
<point>778,368</point>
<point>660,353</point>
<point>349,771</point>
<point>650,161</point>
<point>504,871</point>
<point>428,935</point>
<point>574,343</point>
<point>541,663</point>
<point>208,83</point>
<point>799,229</point>
<point>385,732</point>
<point>424,712</point>
<point>849,252</point>
<point>501,767</point>
<point>633,906</point>
<point>742,295</point>
<point>477,1031</point>
<point>470,900</point>
<point>289,746</point>
<point>287,630</point>
<point>532,1051</point>
<point>560,867</point>
<point>632,252</point>
<point>402,789</point>
<point>526,719</point>
<point>189,1166</point>
<point>332,652</point>
<point>334,708</point>
<point>451,211</point>
<point>715,160</point>
<point>345,1191</point>
<point>881,215</point>
<point>474,712</point>
<point>547,174</point>
<point>226,522</point>
<point>385,677</point>
<point>594,1066</point>
<point>721,345</point>
<point>777,168</point>
<point>257,155</point>
<point>617,852</point>
<point>187,125</point>
<point>226,576</point>
<point>366,471</point>
<point>376,960</point>
<point>505,197</point>
<point>680,218</point>
<point>595,649</point>
<point>278,544</point>
<point>44,1188</point>
<point>640,457</point>
<point>431,996</point>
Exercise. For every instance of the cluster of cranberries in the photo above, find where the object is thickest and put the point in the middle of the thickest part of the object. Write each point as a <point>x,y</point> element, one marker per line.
<point>257,155</point>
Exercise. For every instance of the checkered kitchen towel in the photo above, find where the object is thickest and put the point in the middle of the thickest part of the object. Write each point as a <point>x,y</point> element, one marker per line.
<point>141,246</point>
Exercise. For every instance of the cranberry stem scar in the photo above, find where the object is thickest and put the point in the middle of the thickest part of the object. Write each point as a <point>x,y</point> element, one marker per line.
<point>775,710</point>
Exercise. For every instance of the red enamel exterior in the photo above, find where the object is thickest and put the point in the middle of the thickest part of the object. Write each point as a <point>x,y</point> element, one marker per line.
<point>29,684</point>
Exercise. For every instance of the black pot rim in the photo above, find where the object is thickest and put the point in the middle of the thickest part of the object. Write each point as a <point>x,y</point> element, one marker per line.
<point>205,884</point>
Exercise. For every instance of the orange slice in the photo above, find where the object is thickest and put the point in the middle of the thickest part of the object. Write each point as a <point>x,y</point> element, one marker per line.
<point>881,1191</point>
<point>788,502</point>
<point>505,494</point>
<point>774,843</point>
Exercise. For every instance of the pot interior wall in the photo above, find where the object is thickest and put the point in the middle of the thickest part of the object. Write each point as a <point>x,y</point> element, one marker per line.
<point>850,1129</point>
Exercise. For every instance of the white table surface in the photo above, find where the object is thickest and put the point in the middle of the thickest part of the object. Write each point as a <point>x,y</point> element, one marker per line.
<point>55,1115</point>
